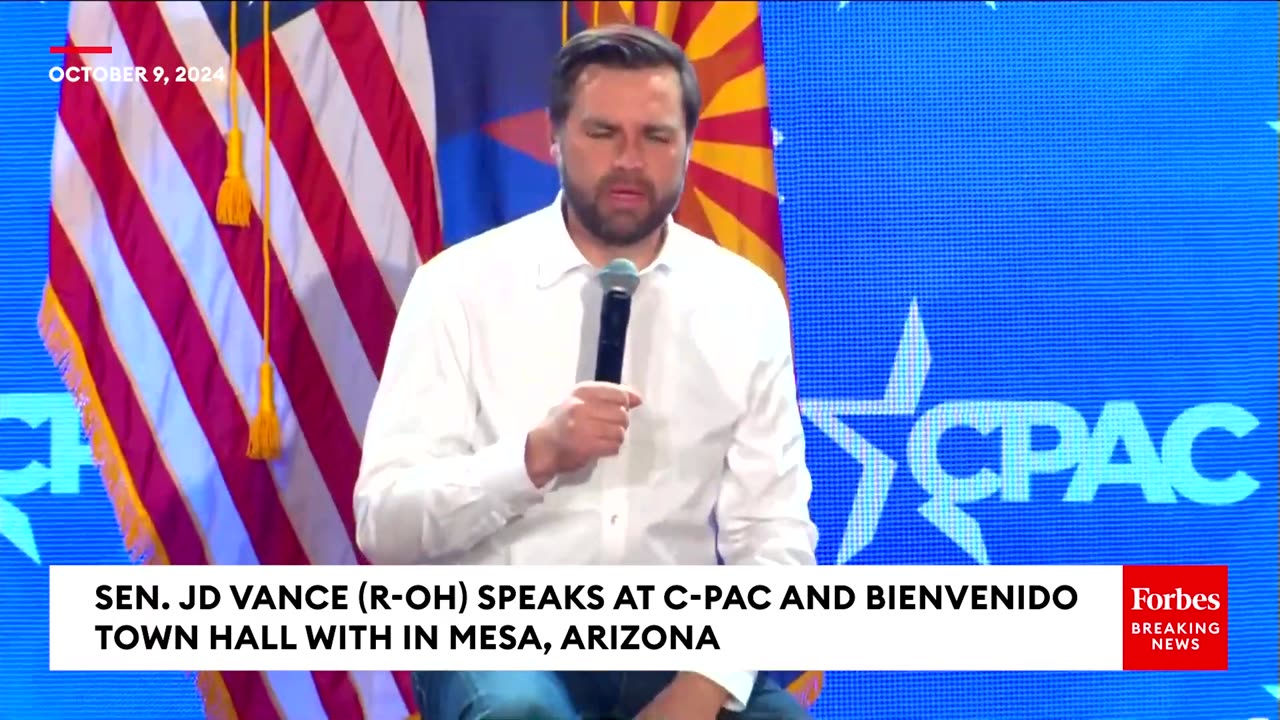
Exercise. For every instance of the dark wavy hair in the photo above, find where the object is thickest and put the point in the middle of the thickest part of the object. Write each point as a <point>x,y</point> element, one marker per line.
<point>629,47</point>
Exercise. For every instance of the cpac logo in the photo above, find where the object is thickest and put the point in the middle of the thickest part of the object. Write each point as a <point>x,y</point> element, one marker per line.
<point>62,475</point>
<point>1162,476</point>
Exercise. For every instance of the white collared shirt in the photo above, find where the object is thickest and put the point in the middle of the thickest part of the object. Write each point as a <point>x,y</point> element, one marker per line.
<point>495,331</point>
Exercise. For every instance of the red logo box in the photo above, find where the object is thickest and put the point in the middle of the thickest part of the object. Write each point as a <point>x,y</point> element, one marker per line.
<point>1175,617</point>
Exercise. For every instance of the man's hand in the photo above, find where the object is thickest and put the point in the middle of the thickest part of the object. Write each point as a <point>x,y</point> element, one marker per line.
<point>688,697</point>
<point>591,423</point>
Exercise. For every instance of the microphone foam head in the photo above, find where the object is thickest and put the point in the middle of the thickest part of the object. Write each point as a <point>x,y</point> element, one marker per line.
<point>620,276</point>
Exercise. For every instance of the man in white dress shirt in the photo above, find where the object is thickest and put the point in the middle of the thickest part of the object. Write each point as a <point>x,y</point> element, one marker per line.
<point>488,443</point>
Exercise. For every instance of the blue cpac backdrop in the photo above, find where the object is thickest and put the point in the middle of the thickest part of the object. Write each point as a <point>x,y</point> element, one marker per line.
<point>1032,257</point>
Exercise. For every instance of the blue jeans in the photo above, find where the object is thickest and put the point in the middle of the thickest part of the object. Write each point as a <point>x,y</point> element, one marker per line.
<point>571,696</point>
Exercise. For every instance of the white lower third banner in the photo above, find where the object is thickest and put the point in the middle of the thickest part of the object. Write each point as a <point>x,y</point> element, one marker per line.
<point>351,618</point>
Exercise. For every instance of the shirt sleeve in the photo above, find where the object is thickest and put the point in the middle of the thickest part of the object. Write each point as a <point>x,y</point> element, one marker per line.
<point>762,512</point>
<point>424,493</point>
<point>738,683</point>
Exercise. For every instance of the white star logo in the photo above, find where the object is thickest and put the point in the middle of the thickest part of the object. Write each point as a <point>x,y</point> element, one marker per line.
<point>901,396</point>
<point>16,527</point>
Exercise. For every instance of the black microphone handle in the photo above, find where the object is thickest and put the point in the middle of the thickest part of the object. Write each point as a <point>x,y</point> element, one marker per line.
<point>615,314</point>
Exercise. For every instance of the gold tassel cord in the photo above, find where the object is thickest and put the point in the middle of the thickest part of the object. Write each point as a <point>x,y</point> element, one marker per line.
<point>264,431</point>
<point>234,201</point>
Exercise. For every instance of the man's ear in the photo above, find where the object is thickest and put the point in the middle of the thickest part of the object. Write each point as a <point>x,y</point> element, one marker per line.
<point>557,155</point>
<point>555,146</point>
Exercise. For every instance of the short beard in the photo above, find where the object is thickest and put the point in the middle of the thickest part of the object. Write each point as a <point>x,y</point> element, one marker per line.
<point>586,206</point>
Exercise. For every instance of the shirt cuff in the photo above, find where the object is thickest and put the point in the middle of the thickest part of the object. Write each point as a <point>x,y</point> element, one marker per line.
<point>738,684</point>
<point>501,471</point>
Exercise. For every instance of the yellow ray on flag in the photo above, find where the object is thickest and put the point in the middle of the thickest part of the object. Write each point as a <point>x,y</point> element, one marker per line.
<point>745,163</point>
<point>664,20</point>
<point>745,92</point>
<point>724,22</point>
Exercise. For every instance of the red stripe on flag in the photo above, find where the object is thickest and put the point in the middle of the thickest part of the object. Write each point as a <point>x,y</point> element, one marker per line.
<point>156,487</point>
<point>392,123</point>
<point>586,12</point>
<point>742,128</point>
<point>646,13</point>
<point>754,208</point>
<point>744,52</point>
<point>688,18</point>
<point>200,145</point>
<point>168,298</point>
<point>324,204</point>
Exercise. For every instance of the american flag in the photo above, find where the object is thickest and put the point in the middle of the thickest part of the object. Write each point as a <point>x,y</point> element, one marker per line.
<point>394,129</point>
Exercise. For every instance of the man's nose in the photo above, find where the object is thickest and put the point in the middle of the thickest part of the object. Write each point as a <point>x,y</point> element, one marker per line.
<point>629,155</point>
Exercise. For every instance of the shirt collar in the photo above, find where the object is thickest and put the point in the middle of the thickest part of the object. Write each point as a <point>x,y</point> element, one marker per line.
<point>558,255</point>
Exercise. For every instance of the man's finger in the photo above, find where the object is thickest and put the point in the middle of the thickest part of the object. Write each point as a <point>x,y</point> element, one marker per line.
<point>617,394</point>
<point>607,413</point>
<point>632,398</point>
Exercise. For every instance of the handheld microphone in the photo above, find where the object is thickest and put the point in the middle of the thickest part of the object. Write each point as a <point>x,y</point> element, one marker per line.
<point>619,279</point>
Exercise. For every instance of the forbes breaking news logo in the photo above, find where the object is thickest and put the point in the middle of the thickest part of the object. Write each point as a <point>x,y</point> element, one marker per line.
<point>29,415</point>
<point>1175,617</point>
<point>1162,476</point>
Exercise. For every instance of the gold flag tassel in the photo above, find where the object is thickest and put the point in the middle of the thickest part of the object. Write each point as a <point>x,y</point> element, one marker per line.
<point>264,431</point>
<point>234,202</point>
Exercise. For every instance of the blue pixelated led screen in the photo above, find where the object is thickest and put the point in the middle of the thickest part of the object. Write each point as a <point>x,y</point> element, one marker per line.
<point>1026,243</point>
